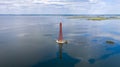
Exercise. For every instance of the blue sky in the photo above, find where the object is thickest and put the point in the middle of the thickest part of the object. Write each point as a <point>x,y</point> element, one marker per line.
<point>59,6</point>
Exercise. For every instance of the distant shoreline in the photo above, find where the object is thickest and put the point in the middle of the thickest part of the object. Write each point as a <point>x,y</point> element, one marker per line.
<point>59,14</point>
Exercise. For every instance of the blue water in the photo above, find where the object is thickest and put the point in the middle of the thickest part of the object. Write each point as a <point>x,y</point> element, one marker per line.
<point>29,41</point>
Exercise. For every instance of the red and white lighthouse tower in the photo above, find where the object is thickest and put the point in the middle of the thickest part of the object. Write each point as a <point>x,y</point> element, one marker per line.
<point>60,38</point>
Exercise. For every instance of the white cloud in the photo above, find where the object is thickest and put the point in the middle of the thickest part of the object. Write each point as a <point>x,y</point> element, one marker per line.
<point>93,1</point>
<point>59,6</point>
<point>97,8</point>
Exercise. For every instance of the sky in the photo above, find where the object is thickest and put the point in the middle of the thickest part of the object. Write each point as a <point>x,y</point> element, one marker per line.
<point>59,6</point>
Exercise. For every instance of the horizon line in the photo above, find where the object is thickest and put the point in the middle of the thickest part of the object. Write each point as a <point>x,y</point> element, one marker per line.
<point>55,14</point>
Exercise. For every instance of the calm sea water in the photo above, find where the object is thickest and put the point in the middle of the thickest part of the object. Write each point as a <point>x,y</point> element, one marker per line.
<point>29,41</point>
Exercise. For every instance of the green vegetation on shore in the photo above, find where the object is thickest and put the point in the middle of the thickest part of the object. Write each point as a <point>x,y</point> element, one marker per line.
<point>97,18</point>
<point>77,17</point>
<point>94,18</point>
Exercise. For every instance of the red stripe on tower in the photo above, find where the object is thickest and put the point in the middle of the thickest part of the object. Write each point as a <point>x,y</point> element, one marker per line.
<point>60,33</point>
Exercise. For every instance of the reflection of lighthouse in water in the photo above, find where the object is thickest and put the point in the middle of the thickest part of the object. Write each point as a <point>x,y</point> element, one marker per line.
<point>60,50</point>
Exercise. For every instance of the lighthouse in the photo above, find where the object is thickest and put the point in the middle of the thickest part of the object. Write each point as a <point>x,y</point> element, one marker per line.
<point>60,37</point>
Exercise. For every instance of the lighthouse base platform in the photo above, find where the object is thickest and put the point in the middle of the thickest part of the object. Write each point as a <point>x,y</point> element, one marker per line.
<point>61,41</point>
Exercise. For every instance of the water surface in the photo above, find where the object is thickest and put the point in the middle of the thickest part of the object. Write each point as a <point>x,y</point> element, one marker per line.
<point>29,41</point>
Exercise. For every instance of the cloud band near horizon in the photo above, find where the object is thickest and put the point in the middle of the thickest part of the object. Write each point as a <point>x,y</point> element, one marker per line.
<point>59,7</point>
